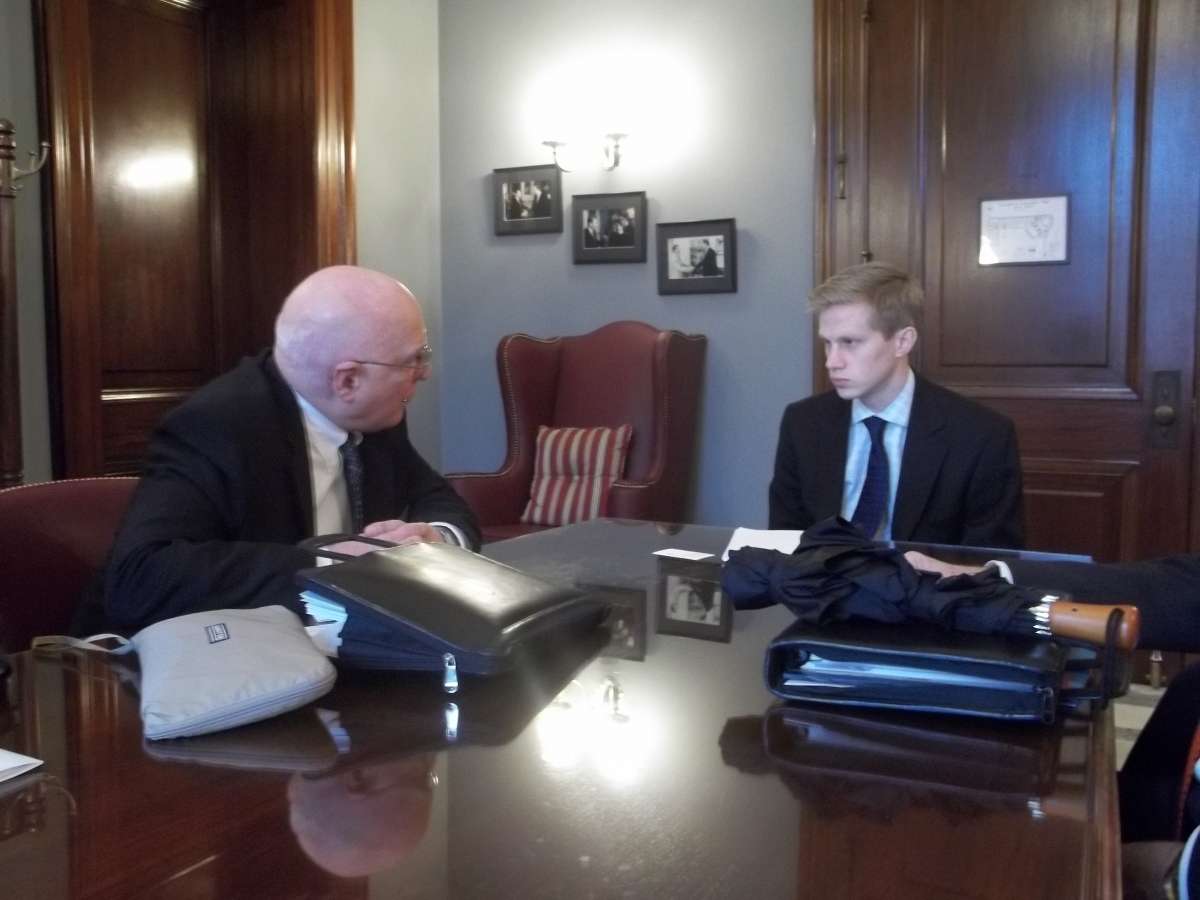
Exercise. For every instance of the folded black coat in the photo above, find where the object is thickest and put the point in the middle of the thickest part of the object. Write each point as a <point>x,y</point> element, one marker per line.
<point>837,573</point>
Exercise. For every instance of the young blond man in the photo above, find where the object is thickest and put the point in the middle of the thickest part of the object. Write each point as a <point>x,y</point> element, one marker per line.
<point>900,456</point>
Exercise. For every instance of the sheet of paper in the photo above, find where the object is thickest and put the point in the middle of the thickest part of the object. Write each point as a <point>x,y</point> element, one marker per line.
<point>783,541</point>
<point>327,636</point>
<point>682,554</point>
<point>14,764</point>
<point>323,609</point>
<point>328,619</point>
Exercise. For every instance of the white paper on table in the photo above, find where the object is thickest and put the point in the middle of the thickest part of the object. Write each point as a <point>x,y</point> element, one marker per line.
<point>781,540</point>
<point>682,554</point>
<point>14,764</point>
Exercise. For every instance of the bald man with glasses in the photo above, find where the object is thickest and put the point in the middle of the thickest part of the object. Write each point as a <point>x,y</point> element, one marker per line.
<point>306,438</point>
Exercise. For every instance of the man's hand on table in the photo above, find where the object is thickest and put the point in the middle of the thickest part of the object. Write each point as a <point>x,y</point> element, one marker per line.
<point>400,532</point>
<point>396,531</point>
<point>945,569</point>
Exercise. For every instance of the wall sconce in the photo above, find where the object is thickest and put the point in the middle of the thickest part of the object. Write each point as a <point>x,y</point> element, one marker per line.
<point>639,102</point>
<point>611,152</point>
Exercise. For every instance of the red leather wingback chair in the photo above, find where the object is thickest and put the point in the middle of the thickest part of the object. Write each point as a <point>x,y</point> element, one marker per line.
<point>54,537</point>
<point>624,373</point>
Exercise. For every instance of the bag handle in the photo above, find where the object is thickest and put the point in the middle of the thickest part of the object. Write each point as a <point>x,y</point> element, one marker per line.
<point>63,642</point>
<point>317,544</point>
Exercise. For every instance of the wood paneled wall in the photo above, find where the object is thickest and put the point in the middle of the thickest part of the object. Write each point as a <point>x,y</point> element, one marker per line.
<point>926,108</point>
<point>203,167</point>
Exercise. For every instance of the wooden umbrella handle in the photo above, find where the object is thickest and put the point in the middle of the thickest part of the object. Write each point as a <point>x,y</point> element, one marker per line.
<point>1089,621</point>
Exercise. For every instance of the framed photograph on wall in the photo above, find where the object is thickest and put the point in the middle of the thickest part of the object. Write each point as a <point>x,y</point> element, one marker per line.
<point>697,257</point>
<point>690,600</point>
<point>527,199</point>
<point>626,620</point>
<point>609,228</point>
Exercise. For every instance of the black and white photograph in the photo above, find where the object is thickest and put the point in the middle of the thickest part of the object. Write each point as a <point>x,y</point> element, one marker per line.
<point>609,227</point>
<point>527,200</point>
<point>690,600</point>
<point>693,600</point>
<point>626,620</point>
<point>697,257</point>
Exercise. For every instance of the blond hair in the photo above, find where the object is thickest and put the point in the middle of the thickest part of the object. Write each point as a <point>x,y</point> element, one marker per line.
<point>895,298</point>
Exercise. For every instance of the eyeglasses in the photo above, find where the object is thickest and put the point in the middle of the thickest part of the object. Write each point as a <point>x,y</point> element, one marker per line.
<point>422,360</point>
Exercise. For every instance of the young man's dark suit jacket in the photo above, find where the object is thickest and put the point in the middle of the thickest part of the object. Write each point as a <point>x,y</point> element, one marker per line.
<point>960,476</point>
<point>227,494</point>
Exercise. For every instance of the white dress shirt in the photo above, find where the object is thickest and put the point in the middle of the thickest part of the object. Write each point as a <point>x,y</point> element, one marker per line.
<point>330,498</point>
<point>896,415</point>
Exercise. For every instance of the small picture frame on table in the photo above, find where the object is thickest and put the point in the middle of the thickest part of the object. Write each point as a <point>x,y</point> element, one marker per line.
<point>697,257</point>
<point>690,600</point>
<point>609,228</point>
<point>626,620</point>
<point>527,200</point>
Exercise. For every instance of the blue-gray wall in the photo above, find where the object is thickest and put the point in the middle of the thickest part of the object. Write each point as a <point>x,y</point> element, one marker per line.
<point>754,88</point>
<point>396,170</point>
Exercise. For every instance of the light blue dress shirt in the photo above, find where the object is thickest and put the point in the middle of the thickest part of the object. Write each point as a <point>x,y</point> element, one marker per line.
<point>896,415</point>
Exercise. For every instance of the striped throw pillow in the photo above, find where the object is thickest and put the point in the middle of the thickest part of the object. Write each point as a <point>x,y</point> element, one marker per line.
<point>572,473</point>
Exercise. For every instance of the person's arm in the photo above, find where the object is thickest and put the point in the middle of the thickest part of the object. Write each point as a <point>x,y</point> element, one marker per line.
<point>434,500</point>
<point>1165,591</point>
<point>995,510</point>
<point>178,549</point>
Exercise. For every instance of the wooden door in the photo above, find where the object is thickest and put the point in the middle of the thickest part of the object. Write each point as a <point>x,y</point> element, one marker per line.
<point>926,108</point>
<point>202,167</point>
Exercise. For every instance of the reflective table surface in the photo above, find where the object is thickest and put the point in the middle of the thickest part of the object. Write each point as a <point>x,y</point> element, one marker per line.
<point>660,768</point>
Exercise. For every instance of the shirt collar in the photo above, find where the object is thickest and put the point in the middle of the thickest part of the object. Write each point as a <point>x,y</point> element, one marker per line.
<point>897,412</point>
<point>324,436</point>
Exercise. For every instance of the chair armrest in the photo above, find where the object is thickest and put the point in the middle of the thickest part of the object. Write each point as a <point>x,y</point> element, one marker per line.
<point>496,498</point>
<point>644,500</point>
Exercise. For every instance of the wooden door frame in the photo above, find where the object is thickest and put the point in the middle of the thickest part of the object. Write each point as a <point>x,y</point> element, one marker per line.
<point>71,247</point>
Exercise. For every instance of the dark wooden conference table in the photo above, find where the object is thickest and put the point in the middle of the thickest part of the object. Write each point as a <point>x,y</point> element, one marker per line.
<point>623,778</point>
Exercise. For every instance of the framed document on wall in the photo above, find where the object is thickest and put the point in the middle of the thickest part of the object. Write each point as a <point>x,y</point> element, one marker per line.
<point>1023,231</point>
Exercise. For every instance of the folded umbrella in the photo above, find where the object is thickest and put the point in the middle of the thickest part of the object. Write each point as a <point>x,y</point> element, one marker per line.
<point>837,573</point>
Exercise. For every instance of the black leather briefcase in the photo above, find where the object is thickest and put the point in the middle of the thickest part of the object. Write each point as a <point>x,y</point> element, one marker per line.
<point>437,607</point>
<point>917,667</point>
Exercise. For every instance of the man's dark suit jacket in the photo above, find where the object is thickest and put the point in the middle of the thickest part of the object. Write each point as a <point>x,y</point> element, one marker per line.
<point>960,474</point>
<point>227,494</point>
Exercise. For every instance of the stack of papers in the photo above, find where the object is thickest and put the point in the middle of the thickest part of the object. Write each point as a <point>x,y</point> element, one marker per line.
<point>14,764</point>
<point>328,619</point>
<point>783,541</point>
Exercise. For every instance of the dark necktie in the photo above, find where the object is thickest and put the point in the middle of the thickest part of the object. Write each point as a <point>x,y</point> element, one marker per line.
<point>873,500</point>
<point>353,470</point>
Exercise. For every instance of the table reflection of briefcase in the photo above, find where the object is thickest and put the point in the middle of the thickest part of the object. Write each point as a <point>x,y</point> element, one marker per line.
<point>1015,759</point>
<point>376,716</point>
